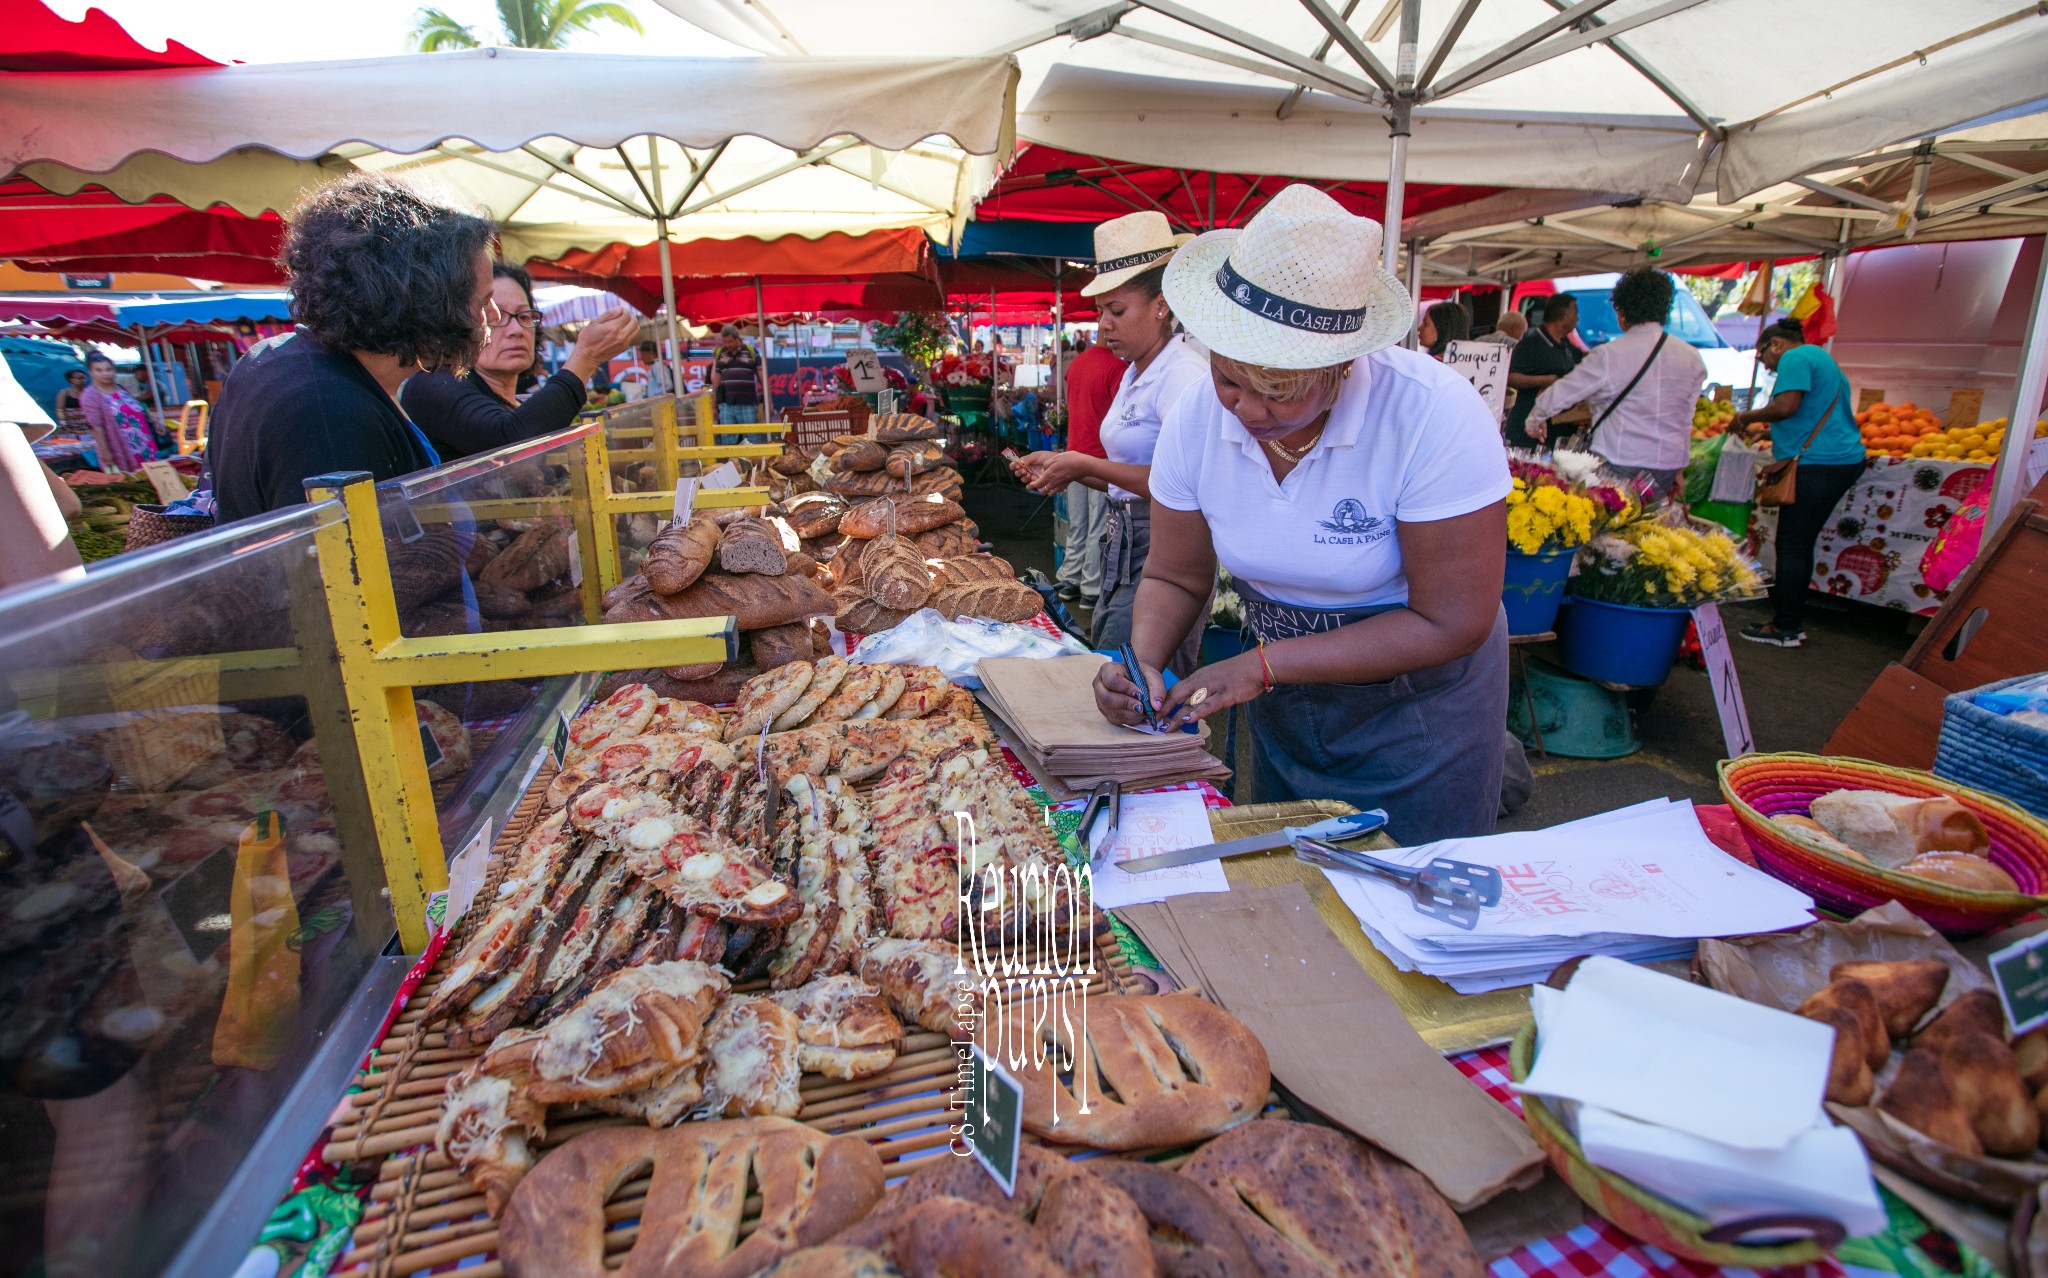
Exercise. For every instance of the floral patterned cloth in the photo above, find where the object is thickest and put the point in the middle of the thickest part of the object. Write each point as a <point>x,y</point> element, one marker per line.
<point>1870,550</point>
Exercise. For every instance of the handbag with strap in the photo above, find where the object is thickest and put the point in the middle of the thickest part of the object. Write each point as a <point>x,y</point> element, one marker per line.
<point>1778,483</point>
<point>1583,440</point>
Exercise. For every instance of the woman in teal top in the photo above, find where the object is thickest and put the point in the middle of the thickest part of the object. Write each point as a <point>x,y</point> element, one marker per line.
<point>1809,417</point>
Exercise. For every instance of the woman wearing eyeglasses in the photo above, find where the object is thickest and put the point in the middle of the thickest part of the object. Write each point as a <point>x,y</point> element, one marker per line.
<point>481,410</point>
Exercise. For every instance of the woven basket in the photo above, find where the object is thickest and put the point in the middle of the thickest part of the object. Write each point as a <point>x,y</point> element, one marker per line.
<point>1993,751</point>
<point>1632,1209</point>
<point>148,525</point>
<point>1761,786</point>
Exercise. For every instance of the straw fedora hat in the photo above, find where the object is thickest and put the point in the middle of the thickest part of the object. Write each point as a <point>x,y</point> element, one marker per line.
<point>1128,246</point>
<point>1300,286</point>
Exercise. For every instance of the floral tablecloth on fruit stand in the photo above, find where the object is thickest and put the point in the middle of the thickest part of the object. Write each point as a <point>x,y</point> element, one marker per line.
<point>1870,550</point>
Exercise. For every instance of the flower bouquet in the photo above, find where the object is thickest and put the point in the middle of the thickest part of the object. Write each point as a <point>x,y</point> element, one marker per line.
<point>1551,515</point>
<point>1634,594</point>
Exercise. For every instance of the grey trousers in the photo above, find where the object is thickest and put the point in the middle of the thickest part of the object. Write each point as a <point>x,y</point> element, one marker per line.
<point>1125,543</point>
<point>1087,515</point>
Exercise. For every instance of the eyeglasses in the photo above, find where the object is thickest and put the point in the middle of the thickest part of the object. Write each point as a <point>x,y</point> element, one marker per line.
<point>525,319</point>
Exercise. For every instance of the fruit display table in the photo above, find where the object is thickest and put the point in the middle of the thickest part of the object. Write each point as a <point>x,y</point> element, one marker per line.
<point>1870,551</point>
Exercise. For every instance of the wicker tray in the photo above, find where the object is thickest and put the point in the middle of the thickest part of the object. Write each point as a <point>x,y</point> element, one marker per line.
<point>423,1215</point>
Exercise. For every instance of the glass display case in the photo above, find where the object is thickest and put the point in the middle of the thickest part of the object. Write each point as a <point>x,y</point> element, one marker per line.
<point>189,915</point>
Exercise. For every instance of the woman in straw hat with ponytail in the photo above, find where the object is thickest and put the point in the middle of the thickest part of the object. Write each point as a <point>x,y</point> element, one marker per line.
<point>1136,325</point>
<point>1356,492</point>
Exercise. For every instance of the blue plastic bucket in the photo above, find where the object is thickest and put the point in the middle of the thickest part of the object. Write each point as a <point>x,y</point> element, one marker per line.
<point>1220,643</point>
<point>1620,643</point>
<point>1533,589</point>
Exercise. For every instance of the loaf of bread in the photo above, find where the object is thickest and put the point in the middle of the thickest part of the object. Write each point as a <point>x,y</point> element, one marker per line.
<point>996,600</point>
<point>814,515</point>
<point>895,574</point>
<point>501,601</point>
<point>905,516</point>
<point>804,566</point>
<point>897,428</point>
<point>636,604</point>
<point>1892,829</point>
<point>532,560</point>
<point>791,462</point>
<point>563,603</point>
<point>679,555</point>
<point>872,483</point>
<point>1861,1045</point>
<point>948,541</point>
<point>1961,869</point>
<point>860,615</point>
<point>966,569</point>
<point>754,600</point>
<point>780,645</point>
<point>906,460</point>
<point>431,566</point>
<point>834,445</point>
<point>944,479</point>
<point>863,455</point>
<point>752,545</point>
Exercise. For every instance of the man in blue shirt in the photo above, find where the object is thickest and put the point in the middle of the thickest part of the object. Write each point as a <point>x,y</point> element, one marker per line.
<point>1809,417</point>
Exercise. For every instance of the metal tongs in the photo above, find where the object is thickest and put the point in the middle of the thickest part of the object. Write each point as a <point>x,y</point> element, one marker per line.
<point>1452,891</point>
<point>1108,796</point>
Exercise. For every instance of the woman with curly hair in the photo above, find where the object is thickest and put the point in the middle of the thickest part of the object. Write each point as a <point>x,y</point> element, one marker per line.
<point>385,283</point>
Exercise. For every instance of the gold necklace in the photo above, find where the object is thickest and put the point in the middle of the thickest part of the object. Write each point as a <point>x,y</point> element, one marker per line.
<point>1296,454</point>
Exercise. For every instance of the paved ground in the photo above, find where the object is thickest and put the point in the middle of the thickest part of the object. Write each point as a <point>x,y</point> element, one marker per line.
<point>1795,698</point>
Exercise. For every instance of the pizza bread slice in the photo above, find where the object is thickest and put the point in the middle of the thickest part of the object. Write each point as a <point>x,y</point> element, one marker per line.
<point>622,715</point>
<point>751,1067</point>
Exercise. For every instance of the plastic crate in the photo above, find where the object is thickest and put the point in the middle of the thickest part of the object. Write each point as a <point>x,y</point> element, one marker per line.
<point>1993,751</point>
<point>809,428</point>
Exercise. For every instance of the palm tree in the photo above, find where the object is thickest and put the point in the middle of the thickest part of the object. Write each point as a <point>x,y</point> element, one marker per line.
<point>525,24</point>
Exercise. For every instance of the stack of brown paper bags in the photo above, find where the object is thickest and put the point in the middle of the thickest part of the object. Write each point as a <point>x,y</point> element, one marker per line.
<point>1048,703</point>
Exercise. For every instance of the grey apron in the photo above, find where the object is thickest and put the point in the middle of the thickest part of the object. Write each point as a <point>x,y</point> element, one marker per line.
<point>1425,746</point>
<point>1126,540</point>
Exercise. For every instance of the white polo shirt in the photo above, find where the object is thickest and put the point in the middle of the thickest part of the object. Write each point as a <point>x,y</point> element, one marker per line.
<point>1130,429</point>
<point>1408,441</point>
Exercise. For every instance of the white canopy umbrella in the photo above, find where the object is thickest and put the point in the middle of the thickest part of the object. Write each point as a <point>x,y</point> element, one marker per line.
<point>1629,96</point>
<point>565,151</point>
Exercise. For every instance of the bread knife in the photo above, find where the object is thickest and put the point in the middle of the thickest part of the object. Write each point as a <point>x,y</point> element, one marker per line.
<point>1333,829</point>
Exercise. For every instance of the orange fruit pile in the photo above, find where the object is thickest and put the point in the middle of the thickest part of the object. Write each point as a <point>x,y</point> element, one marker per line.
<point>1892,430</point>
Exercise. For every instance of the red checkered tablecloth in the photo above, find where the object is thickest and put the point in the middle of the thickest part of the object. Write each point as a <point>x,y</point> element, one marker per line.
<point>1595,1247</point>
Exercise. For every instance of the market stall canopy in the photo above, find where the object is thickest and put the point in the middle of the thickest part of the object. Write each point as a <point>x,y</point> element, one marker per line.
<point>567,151</point>
<point>207,308</point>
<point>633,272</point>
<point>1630,96</point>
<point>1989,182</point>
<point>90,229</point>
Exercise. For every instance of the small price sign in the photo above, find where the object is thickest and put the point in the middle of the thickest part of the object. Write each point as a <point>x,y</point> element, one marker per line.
<point>1719,655</point>
<point>466,874</point>
<point>865,368</point>
<point>2020,971</point>
<point>165,479</point>
<point>995,1118</point>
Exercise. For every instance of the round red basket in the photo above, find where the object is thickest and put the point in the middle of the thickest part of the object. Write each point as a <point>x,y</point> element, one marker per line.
<point>1761,786</point>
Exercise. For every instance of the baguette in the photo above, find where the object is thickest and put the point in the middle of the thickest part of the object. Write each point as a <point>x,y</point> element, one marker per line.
<point>895,573</point>
<point>996,600</point>
<point>964,570</point>
<point>752,545</point>
<point>780,645</point>
<point>754,601</point>
<point>906,517</point>
<point>863,455</point>
<point>679,555</point>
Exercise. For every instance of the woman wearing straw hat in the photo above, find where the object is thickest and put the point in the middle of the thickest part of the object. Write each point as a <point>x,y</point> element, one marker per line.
<point>1130,260</point>
<point>1355,491</point>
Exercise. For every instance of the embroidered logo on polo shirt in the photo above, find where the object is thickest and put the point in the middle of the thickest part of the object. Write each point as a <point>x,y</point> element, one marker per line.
<point>1351,526</point>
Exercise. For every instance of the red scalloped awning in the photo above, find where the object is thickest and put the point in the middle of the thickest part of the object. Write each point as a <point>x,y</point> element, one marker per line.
<point>34,39</point>
<point>94,230</point>
<point>1047,184</point>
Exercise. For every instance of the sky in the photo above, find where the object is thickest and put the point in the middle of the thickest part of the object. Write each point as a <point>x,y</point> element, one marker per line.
<point>309,30</point>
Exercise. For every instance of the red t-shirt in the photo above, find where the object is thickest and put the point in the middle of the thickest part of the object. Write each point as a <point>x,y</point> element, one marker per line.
<point>1092,379</point>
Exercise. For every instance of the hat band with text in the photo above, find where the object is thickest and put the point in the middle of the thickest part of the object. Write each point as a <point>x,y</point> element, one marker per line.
<point>1280,310</point>
<point>1135,259</point>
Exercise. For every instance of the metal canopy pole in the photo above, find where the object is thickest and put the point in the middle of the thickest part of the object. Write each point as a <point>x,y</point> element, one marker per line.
<point>156,391</point>
<point>761,348</point>
<point>1059,333</point>
<point>1414,291</point>
<point>1763,321</point>
<point>668,277</point>
<point>2009,480</point>
<point>1398,127</point>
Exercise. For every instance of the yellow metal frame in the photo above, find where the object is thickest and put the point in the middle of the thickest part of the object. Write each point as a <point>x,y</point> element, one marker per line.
<point>379,668</point>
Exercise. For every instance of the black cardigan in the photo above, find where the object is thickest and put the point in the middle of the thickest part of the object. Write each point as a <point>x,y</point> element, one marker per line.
<point>463,415</point>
